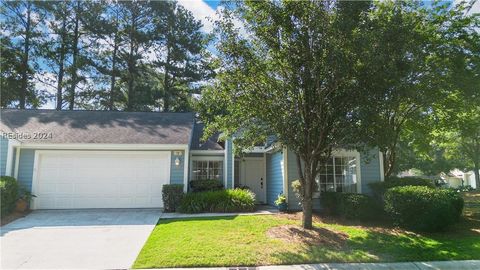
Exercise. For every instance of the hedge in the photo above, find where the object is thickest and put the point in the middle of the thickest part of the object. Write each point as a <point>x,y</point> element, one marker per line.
<point>351,206</point>
<point>172,196</point>
<point>422,208</point>
<point>8,194</point>
<point>379,188</point>
<point>206,185</point>
<point>220,201</point>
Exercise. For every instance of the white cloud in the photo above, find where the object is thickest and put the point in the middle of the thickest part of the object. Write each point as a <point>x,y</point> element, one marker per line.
<point>475,8</point>
<point>201,11</point>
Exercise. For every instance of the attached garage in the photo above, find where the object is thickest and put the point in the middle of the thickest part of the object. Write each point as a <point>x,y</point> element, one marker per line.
<point>96,159</point>
<point>100,179</point>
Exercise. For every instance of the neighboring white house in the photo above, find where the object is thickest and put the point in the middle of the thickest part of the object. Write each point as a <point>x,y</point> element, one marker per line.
<point>454,179</point>
<point>469,179</point>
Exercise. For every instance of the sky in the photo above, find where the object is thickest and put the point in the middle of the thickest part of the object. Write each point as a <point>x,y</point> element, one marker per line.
<point>202,10</point>
<point>206,12</point>
<point>205,9</point>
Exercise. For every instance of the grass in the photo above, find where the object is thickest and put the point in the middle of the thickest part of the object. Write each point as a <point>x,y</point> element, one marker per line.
<point>243,241</point>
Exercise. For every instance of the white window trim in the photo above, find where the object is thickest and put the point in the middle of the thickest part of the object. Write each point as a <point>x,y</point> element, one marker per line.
<point>10,162</point>
<point>348,153</point>
<point>285,171</point>
<point>206,158</point>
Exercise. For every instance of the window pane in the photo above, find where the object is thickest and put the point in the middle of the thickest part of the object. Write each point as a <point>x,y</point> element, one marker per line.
<point>338,175</point>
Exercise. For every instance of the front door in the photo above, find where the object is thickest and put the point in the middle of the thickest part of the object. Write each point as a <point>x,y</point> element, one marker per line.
<point>252,175</point>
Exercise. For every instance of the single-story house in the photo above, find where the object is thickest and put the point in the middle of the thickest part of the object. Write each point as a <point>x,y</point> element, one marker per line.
<point>110,159</point>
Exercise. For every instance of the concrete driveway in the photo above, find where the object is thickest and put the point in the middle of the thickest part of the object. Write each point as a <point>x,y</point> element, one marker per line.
<point>76,239</point>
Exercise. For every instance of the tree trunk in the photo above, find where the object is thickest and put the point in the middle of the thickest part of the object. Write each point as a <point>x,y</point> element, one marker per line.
<point>74,59</point>
<point>61,70</point>
<point>166,85</point>
<point>307,206</point>
<point>26,52</point>
<point>111,100</point>
<point>166,81</point>
<point>131,68</point>
<point>389,159</point>
<point>477,175</point>
<point>305,192</point>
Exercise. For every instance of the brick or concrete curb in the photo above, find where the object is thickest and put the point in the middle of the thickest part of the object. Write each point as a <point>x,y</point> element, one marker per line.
<point>435,265</point>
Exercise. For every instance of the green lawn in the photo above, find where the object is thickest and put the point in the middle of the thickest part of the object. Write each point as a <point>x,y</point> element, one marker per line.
<point>243,241</point>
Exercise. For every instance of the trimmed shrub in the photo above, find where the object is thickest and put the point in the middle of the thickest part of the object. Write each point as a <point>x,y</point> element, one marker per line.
<point>379,188</point>
<point>206,185</point>
<point>8,194</point>
<point>172,197</point>
<point>422,208</point>
<point>220,201</point>
<point>355,206</point>
<point>329,202</point>
<point>350,206</point>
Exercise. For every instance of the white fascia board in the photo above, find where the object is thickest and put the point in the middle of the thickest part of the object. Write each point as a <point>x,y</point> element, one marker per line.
<point>102,146</point>
<point>207,152</point>
<point>256,149</point>
<point>9,162</point>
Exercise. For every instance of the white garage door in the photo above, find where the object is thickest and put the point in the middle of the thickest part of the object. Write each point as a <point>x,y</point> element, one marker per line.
<point>96,179</point>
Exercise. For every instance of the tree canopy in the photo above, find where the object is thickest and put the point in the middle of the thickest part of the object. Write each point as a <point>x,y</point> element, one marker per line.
<point>325,75</point>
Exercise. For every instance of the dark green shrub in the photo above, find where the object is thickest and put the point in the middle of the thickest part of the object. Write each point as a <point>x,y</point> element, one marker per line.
<point>206,185</point>
<point>458,203</point>
<point>379,188</point>
<point>8,194</point>
<point>423,208</point>
<point>172,196</point>
<point>220,201</point>
<point>329,202</point>
<point>355,206</point>
<point>351,206</point>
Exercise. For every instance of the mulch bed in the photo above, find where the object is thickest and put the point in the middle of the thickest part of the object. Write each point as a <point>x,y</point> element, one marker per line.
<point>313,237</point>
<point>13,216</point>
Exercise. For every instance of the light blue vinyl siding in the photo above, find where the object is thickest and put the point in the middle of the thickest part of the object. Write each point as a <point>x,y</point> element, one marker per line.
<point>229,160</point>
<point>274,176</point>
<point>177,172</point>
<point>3,155</point>
<point>293,200</point>
<point>25,168</point>
<point>370,169</point>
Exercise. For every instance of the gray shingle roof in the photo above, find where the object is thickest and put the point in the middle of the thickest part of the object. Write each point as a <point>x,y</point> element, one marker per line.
<point>110,127</point>
<point>211,144</point>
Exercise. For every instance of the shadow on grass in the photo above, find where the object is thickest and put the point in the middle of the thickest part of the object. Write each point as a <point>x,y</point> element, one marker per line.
<point>380,244</point>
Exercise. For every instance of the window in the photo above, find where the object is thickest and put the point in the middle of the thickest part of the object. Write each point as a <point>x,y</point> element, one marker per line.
<point>207,169</point>
<point>339,175</point>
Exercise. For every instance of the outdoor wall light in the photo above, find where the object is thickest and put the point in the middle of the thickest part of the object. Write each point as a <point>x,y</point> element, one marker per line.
<point>177,162</point>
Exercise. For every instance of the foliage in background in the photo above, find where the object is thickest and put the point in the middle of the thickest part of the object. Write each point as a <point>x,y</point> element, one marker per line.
<point>115,55</point>
<point>413,46</point>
